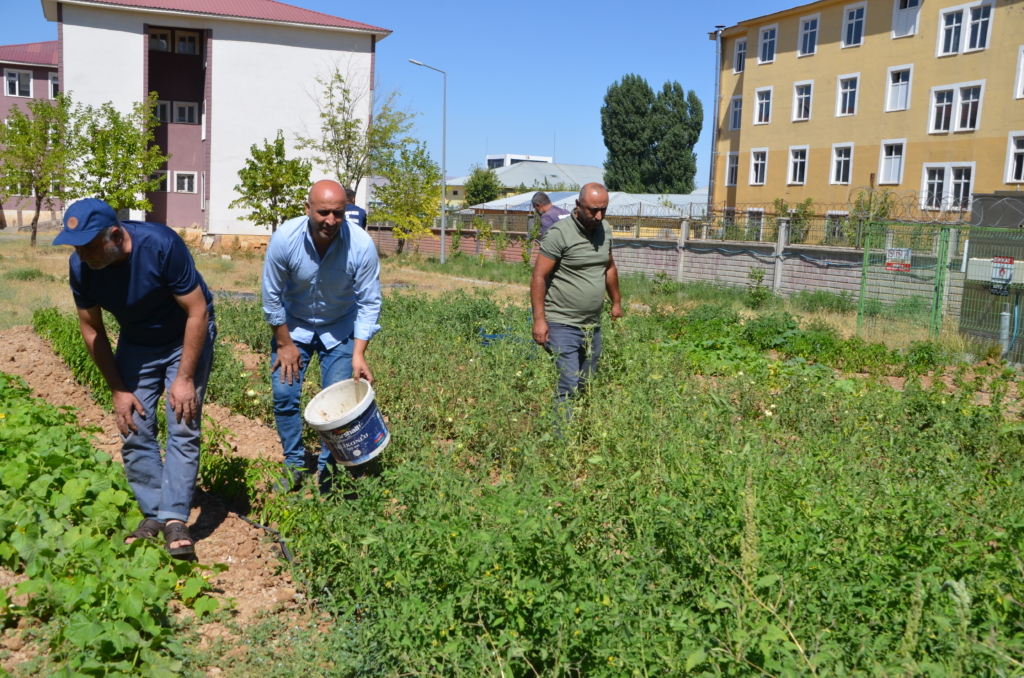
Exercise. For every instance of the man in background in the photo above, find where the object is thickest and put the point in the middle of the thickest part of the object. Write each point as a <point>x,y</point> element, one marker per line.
<point>321,293</point>
<point>354,214</point>
<point>549,214</point>
<point>573,272</point>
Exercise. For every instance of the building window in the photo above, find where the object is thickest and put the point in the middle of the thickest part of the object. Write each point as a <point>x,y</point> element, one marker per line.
<point>162,176</point>
<point>836,222</point>
<point>934,187</point>
<point>1019,87</point>
<point>163,111</point>
<point>802,100</point>
<point>977,35</point>
<point>808,35</point>
<point>739,60</point>
<point>19,83</point>
<point>947,185</point>
<point>898,96</point>
<point>798,164</point>
<point>185,113</point>
<point>766,53</point>
<point>847,95</point>
<point>891,165</point>
<point>184,182</point>
<point>763,114</point>
<point>842,163</point>
<point>736,113</point>
<point>853,24</point>
<point>961,194</point>
<point>970,100</point>
<point>159,41</point>
<point>732,169</point>
<point>758,166</point>
<point>952,22</point>
<point>904,20</point>
<point>54,85</point>
<point>187,43</point>
<point>942,111</point>
<point>1015,159</point>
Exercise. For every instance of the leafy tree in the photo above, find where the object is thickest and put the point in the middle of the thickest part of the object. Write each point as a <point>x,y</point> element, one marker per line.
<point>35,151</point>
<point>650,136</point>
<point>412,197</point>
<point>348,147</point>
<point>482,186</point>
<point>116,156</point>
<point>272,186</point>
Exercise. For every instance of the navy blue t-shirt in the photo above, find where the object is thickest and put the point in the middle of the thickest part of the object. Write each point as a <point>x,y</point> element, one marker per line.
<point>140,291</point>
<point>356,216</point>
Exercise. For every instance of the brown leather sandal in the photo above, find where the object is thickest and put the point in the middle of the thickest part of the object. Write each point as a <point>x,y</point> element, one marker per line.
<point>147,529</point>
<point>177,531</point>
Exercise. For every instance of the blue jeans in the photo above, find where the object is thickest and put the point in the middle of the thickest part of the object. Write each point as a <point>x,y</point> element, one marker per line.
<point>335,366</point>
<point>576,351</point>
<point>163,488</point>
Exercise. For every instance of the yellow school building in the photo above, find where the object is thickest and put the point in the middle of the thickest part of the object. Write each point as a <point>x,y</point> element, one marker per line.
<point>923,97</point>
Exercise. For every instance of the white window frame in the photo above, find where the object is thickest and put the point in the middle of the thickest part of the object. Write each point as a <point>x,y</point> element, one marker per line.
<point>760,41</point>
<point>31,83</point>
<point>751,175</point>
<point>757,104</point>
<point>1009,157</point>
<point>888,86</point>
<point>736,54</point>
<point>947,183</point>
<point>832,167</point>
<point>732,161</point>
<point>800,35</point>
<point>955,122</point>
<point>167,185</point>
<point>810,105</point>
<point>1018,92</point>
<point>916,11</point>
<point>50,80</point>
<point>965,28</point>
<point>732,113</point>
<point>169,110</point>
<point>881,162</point>
<point>177,43</point>
<point>839,94</point>
<point>174,112</point>
<point>846,22</point>
<point>161,31</point>
<point>195,182</point>
<point>790,179</point>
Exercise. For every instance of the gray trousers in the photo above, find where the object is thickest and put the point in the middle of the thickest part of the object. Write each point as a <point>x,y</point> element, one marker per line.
<point>576,351</point>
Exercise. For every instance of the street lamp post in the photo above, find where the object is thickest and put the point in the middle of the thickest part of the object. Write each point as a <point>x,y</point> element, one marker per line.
<point>444,148</point>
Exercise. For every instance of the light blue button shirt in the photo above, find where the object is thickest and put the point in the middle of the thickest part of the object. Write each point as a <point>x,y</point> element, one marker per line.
<point>334,298</point>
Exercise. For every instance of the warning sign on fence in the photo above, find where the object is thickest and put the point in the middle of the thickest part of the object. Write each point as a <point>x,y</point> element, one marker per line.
<point>897,259</point>
<point>1002,275</point>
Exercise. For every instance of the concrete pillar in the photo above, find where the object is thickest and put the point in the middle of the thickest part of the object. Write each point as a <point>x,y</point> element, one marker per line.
<point>780,247</point>
<point>684,235</point>
<point>889,236</point>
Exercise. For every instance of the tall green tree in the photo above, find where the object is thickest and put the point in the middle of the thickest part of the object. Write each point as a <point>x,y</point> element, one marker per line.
<point>650,136</point>
<point>35,154</point>
<point>272,186</point>
<point>411,199</point>
<point>482,186</point>
<point>116,155</point>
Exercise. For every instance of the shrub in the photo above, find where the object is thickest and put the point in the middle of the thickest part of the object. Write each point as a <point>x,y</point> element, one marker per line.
<point>823,301</point>
<point>758,295</point>
<point>770,331</point>
<point>28,275</point>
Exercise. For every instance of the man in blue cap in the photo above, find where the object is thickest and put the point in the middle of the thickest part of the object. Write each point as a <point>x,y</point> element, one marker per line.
<point>143,274</point>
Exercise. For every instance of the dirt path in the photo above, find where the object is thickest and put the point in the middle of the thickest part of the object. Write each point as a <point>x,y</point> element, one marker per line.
<point>250,585</point>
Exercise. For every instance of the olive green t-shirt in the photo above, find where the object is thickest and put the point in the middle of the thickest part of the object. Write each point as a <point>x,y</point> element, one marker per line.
<point>575,291</point>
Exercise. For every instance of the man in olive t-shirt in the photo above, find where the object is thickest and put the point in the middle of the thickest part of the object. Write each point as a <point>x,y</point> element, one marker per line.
<point>574,269</point>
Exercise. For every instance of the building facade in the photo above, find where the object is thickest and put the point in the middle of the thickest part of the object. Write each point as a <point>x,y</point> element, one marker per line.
<point>923,97</point>
<point>228,74</point>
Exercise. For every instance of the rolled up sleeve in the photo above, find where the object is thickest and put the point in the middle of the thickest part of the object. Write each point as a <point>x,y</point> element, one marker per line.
<point>275,276</point>
<point>368,297</point>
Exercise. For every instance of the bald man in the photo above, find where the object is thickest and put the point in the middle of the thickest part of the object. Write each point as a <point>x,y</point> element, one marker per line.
<point>574,269</point>
<point>321,293</point>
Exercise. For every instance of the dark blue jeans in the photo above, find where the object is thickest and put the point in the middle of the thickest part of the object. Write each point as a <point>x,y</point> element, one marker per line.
<point>576,351</point>
<point>163,487</point>
<point>335,366</point>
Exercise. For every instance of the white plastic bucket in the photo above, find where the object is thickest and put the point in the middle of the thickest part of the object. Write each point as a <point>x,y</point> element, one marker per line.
<point>349,422</point>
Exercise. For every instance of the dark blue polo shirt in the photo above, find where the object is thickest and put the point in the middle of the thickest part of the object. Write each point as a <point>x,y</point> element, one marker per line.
<point>355,215</point>
<point>140,291</point>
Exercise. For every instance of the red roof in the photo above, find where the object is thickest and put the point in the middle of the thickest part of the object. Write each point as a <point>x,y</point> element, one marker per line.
<point>266,10</point>
<point>42,53</point>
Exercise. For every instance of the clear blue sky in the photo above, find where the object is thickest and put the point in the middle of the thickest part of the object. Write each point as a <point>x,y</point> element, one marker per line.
<point>516,72</point>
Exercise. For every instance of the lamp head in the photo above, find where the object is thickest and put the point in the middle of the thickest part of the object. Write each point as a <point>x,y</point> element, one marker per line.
<point>413,61</point>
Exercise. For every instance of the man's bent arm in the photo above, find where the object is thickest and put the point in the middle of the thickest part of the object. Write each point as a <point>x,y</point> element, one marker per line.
<point>542,270</point>
<point>90,322</point>
<point>368,303</point>
<point>196,330</point>
<point>611,284</point>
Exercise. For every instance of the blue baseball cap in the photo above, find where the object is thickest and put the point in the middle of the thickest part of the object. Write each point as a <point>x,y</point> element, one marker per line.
<point>84,220</point>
